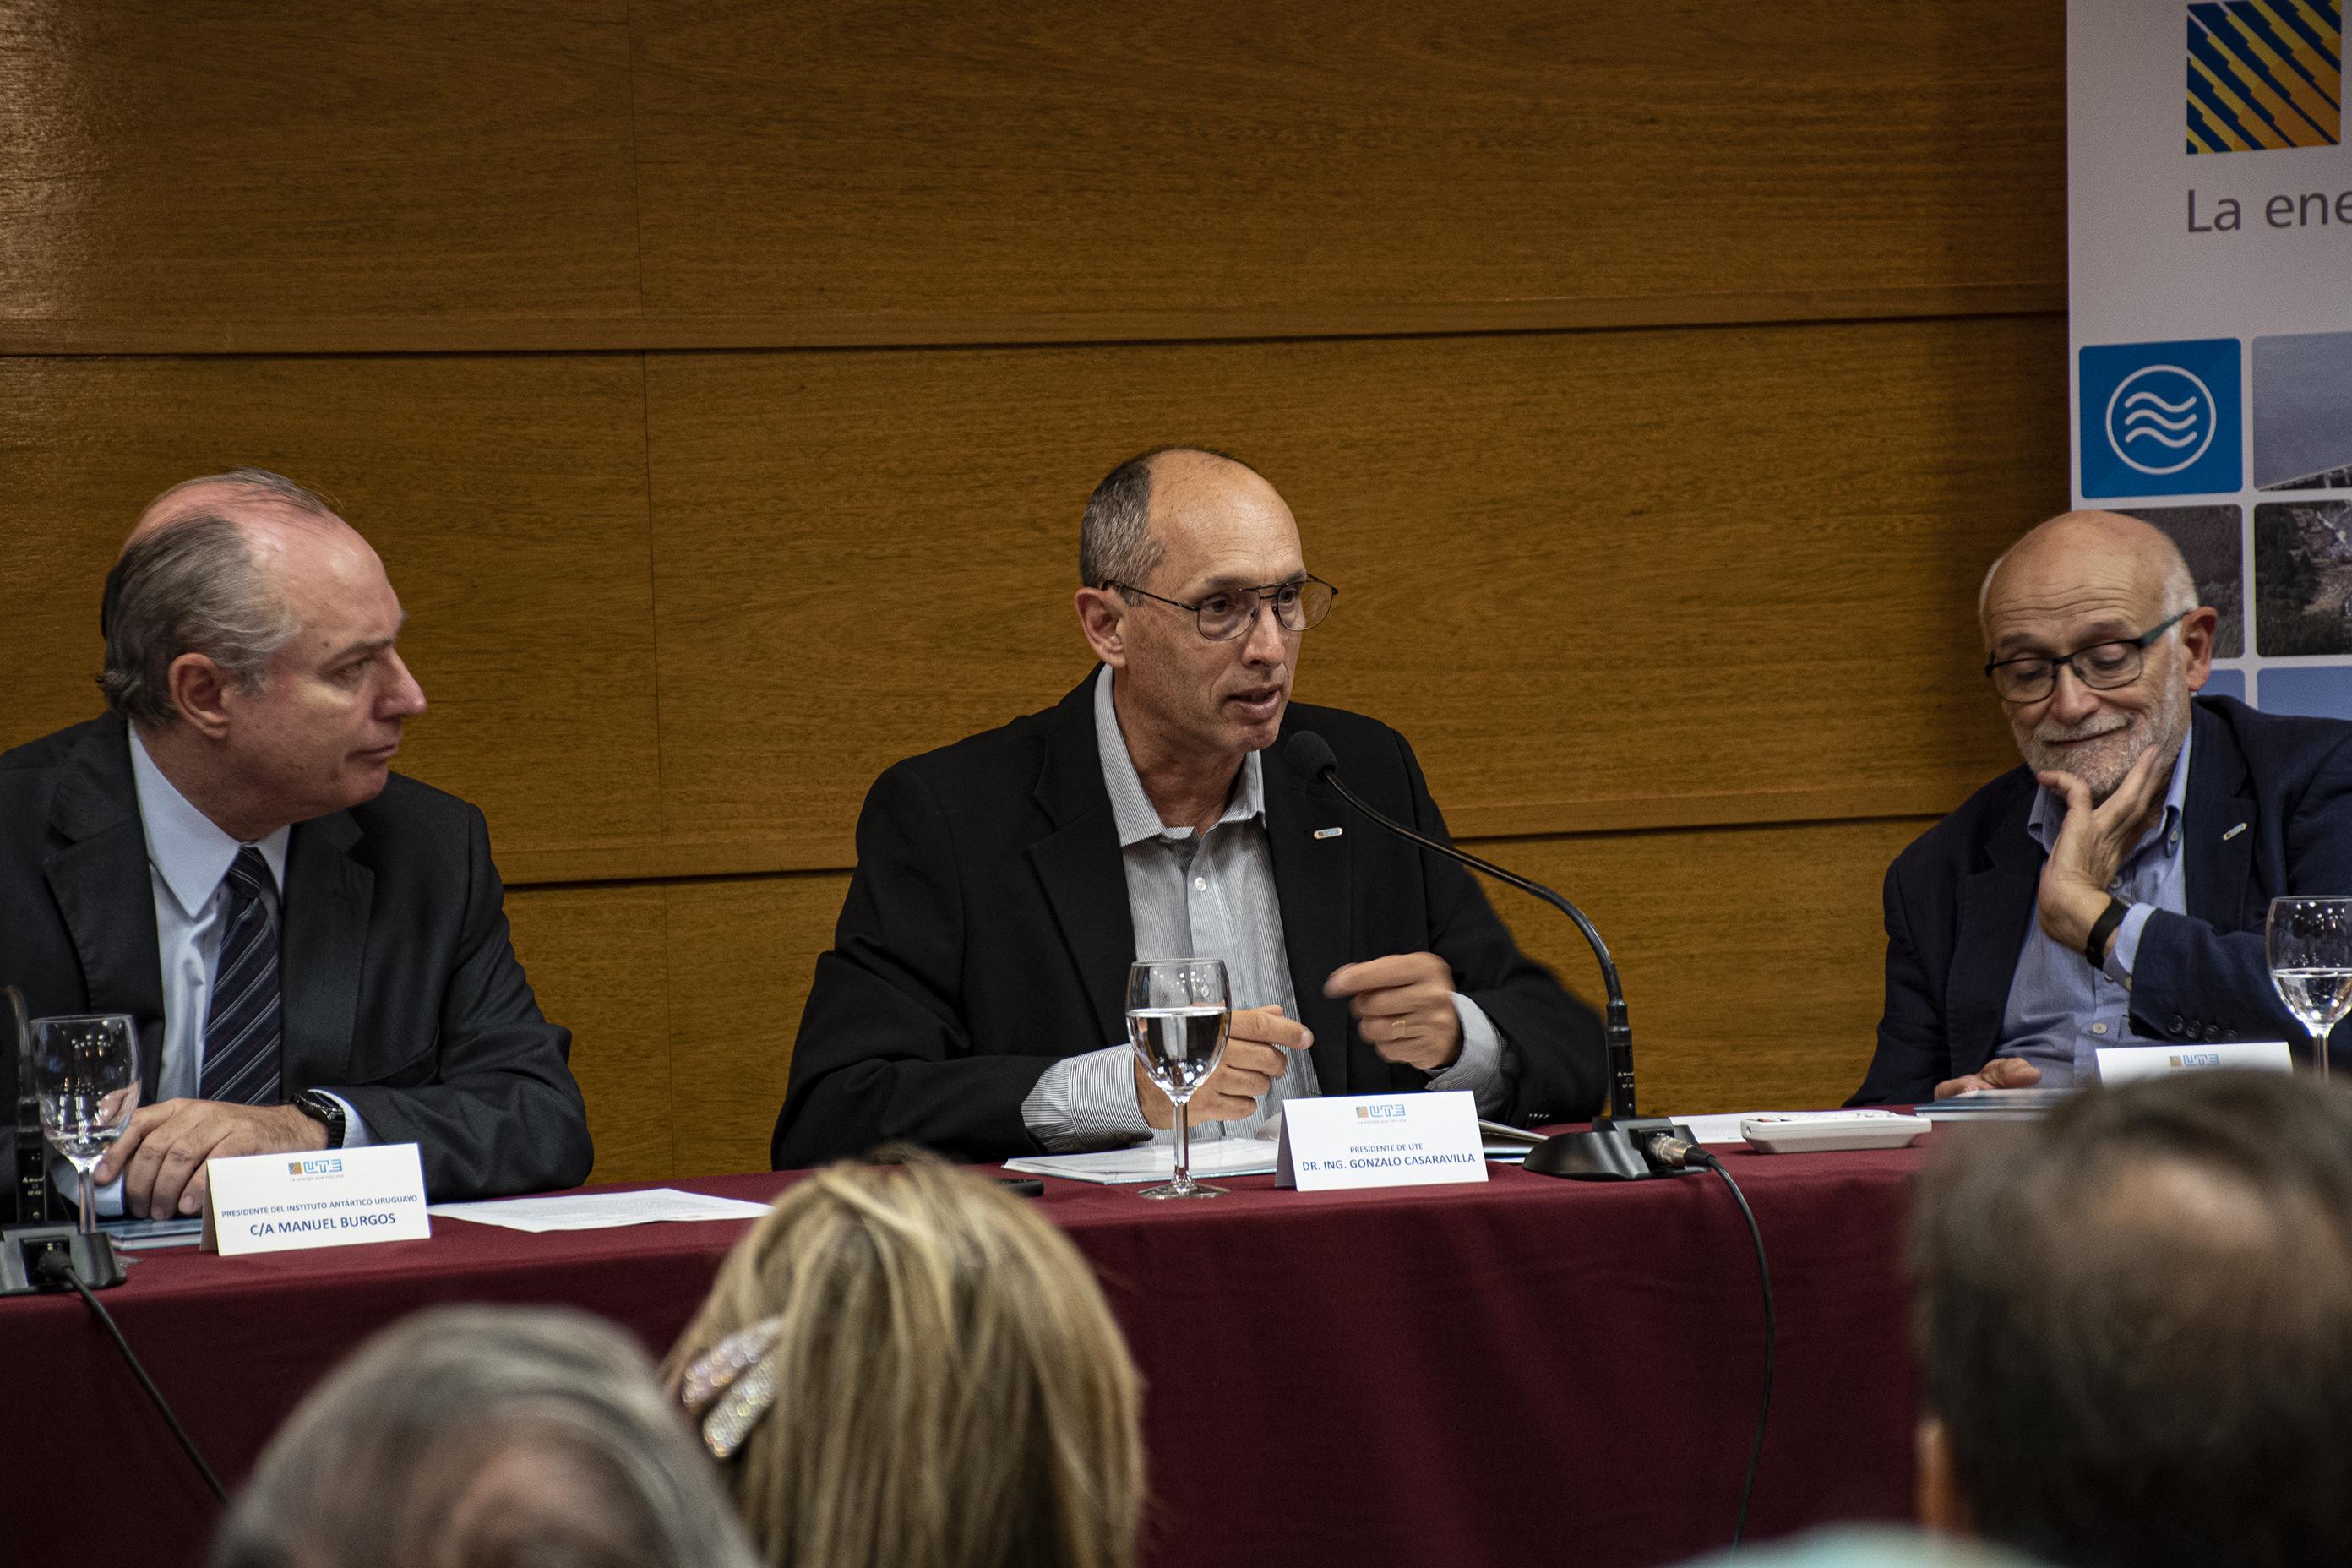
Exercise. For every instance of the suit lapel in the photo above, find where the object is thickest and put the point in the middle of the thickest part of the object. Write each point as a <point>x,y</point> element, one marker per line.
<point>1996,908</point>
<point>2219,862</point>
<point>1078,863</point>
<point>101,881</point>
<point>1314,881</point>
<point>325,942</point>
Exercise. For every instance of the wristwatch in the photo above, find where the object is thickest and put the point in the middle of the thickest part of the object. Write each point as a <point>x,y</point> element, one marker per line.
<point>2095,947</point>
<point>325,1108</point>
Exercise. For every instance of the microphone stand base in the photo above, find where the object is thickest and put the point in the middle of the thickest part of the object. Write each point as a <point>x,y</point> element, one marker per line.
<point>1607,1153</point>
<point>23,1246</point>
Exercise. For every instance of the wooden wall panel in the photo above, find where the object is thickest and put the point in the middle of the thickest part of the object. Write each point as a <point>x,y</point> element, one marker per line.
<point>227,163</point>
<point>741,953</point>
<point>1005,160</point>
<point>596,958</point>
<point>506,497</point>
<point>1753,959</point>
<point>1602,567</point>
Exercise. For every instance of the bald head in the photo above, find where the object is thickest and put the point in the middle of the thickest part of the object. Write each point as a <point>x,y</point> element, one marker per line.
<point>2097,543</point>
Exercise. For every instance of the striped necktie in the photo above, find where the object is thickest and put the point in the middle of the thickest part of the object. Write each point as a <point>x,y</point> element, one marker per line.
<point>241,1030</point>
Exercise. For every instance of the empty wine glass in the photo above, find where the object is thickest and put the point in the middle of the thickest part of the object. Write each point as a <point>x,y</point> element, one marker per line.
<point>1178,1011</point>
<point>2309,944</point>
<point>86,1076</point>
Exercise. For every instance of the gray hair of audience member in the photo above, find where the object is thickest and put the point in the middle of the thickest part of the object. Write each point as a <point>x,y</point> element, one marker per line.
<point>1115,543</point>
<point>192,586</point>
<point>2134,1320</point>
<point>487,1438</point>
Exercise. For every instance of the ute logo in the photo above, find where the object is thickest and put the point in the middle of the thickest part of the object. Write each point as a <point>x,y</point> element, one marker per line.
<point>330,1167</point>
<point>2266,74</point>
<point>1380,1113</point>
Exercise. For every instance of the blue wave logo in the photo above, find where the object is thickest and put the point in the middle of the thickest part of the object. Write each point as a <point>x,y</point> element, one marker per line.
<point>2160,419</point>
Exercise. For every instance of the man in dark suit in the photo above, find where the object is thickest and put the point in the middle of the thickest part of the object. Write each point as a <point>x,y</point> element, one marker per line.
<point>2112,891</point>
<point>312,949</point>
<point>973,999</point>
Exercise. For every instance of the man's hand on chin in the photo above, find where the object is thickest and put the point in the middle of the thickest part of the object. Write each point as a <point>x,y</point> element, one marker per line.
<point>160,1155</point>
<point>2092,843</point>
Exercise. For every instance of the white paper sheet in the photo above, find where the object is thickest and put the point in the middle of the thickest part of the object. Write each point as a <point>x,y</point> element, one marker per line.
<point>1153,1162</point>
<point>599,1211</point>
<point>1724,1129</point>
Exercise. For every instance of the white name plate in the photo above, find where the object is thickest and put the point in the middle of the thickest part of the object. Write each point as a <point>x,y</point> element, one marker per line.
<point>1380,1141</point>
<point>2121,1064</point>
<point>334,1197</point>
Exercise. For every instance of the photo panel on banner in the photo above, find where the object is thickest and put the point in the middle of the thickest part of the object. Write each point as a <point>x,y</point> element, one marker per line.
<point>2209,268</point>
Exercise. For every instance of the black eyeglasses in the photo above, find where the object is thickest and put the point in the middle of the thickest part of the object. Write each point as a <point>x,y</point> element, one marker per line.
<point>2102,667</point>
<point>1228,613</point>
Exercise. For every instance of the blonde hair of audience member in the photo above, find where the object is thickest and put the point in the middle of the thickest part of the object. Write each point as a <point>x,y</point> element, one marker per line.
<point>487,1438</point>
<point>951,1390</point>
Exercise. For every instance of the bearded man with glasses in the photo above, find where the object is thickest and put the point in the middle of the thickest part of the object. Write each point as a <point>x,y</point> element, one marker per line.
<point>973,1000</point>
<point>2112,890</point>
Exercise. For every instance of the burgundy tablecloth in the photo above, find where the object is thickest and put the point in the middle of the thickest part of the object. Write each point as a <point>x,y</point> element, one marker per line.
<point>1530,1369</point>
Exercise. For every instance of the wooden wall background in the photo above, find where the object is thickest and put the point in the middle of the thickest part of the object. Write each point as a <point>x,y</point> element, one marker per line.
<point>722,384</point>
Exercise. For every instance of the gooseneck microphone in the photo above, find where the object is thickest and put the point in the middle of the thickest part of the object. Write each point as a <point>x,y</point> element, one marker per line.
<point>1310,754</point>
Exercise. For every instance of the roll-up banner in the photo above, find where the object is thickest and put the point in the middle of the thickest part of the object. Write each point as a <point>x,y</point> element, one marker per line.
<point>2210,276</point>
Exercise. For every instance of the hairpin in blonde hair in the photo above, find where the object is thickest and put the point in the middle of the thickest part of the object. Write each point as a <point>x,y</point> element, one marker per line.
<point>740,1368</point>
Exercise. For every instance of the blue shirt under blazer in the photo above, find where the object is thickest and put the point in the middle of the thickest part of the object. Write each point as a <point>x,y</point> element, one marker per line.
<point>1961,899</point>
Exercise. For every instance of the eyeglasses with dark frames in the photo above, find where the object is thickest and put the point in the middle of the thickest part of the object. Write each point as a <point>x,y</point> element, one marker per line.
<point>1230,612</point>
<point>2101,666</point>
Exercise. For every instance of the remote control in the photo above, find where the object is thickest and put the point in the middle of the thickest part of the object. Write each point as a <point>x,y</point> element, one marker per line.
<point>1815,1132</point>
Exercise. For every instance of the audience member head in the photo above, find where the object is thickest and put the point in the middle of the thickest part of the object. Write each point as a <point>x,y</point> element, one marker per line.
<point>249,637</point>
<point>2113,592</point>
<point>1166,531</point>
<point>486,1437</point>
<point>2135,1325</point>
<point>915,1370</point>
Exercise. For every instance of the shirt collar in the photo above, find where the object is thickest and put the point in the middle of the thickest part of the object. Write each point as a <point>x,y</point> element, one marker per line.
<point>1131,808</point>
<point>186,848</point>
<point>2050,809</point>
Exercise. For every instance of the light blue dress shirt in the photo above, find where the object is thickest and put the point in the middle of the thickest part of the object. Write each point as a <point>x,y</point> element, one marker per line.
<point>188,858</point>
<point>2061,1011</point>
<point>1208,895</point>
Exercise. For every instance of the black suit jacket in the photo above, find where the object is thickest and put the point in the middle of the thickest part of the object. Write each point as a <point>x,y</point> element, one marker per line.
<point>986,935</point>
<point>1961,899</point>
<point>399,987</point>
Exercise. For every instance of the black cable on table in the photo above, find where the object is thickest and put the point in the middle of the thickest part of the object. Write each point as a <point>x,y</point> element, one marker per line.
<point>1763,1272</point>
<point>59,1267</point>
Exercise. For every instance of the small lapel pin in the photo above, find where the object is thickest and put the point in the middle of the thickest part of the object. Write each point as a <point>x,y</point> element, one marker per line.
<point>1329,832</point>
<point>2234,833</point>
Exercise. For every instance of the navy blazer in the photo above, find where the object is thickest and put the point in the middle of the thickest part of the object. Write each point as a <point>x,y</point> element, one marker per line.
<point>2268,812</point>
<point>401,992</point>
<point>986,934</point>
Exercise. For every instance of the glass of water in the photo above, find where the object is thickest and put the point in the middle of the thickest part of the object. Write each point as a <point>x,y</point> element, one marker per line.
<point>86,1076</point>
<point>2309,942</point>
<point>1178,1011</point>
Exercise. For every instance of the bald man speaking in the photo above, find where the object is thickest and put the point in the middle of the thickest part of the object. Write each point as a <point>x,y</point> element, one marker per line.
<point>312,949</point>
<point>2112,890</point>
<point>974,998</point>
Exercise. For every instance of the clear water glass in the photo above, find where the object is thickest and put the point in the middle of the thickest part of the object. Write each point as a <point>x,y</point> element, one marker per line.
<point>1178,1012</point>
<point>2309,942</point>
<point>86,1078</point>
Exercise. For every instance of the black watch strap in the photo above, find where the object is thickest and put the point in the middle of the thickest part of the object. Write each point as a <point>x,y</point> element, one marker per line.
<point>2096,948</point>
<point>322,1108</point>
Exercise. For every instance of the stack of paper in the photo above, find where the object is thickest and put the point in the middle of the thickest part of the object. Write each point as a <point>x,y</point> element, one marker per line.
<point>598,1211</point>
<point>1995,1105</point>
<point>1153,1162</point>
